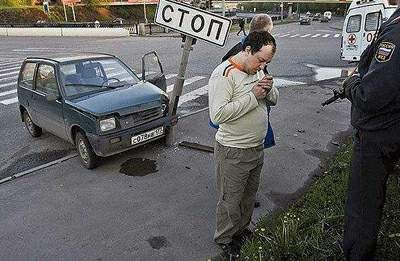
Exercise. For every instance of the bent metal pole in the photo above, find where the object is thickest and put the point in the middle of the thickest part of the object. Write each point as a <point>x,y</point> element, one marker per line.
<point>177,91</point>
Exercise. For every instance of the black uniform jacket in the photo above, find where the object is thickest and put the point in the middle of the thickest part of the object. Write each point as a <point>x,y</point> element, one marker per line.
<point>376,100</point>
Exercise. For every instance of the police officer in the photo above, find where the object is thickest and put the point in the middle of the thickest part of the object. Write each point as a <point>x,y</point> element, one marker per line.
<point>374,92</point>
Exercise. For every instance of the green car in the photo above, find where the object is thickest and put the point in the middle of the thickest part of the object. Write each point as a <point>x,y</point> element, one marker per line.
<point>94,101</point>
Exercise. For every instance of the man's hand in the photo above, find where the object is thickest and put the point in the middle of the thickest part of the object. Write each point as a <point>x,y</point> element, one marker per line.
<point>349,83</point>
<point>263,87</point>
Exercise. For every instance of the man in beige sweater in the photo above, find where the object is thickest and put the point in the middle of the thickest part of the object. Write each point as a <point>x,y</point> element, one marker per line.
<point>239,93</point>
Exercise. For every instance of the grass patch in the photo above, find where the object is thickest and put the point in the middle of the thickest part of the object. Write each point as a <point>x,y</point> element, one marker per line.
<point>312,227</point>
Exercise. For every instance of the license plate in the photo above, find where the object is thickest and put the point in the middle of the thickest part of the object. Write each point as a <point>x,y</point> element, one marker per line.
<point>147,135</point>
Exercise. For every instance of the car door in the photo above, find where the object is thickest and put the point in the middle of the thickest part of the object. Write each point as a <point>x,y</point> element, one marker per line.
<point>48,100</point>
<point>373,18</point>
<point>152,70</point>
<point>353,35</point>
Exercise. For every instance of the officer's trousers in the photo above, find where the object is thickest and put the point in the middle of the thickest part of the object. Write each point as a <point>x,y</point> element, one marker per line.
<point>238,176</point>
<point>374,157</point>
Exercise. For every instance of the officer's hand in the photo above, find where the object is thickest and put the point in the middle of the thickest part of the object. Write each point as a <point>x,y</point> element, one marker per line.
<point>349,83</point>
<point>259,91</point>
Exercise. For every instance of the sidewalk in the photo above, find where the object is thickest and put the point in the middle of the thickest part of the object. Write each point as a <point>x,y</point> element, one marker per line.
<point>69,213</point>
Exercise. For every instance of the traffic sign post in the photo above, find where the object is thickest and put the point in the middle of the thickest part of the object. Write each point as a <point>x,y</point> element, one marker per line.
<point>195,24</point>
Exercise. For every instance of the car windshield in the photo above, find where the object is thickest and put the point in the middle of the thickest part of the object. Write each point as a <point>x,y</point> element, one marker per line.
<point>95,75</point>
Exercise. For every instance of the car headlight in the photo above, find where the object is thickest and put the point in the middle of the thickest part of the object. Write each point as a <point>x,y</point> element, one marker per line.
<point>107,124</point>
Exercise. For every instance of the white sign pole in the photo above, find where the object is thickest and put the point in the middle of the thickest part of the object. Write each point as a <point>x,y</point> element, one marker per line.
<point>194,23</point>
<point>73,12</point>
<point>178,86</point>
<point>65,13</point>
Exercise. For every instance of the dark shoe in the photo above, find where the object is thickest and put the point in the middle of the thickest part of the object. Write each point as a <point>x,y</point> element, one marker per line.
<point>230,252</point>
<point>257,204</point>
<point>241,238</point>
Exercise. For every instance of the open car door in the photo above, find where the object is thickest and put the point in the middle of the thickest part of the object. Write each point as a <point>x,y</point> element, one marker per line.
<point>152,70</point>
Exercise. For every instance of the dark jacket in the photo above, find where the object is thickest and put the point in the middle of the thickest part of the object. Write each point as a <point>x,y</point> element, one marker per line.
<point>376,99</point>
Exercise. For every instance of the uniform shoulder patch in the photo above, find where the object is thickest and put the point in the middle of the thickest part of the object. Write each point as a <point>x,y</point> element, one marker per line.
<point>384,52</point>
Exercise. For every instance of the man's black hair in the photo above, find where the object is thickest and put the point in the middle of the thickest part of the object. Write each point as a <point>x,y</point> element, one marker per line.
<point>256,40</point>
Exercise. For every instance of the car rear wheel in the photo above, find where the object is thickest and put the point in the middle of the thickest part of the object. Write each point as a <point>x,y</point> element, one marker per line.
<point>86,154</point>
<point>33,129</point>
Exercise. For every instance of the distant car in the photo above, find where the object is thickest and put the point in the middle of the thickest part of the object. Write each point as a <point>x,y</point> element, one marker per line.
<point>324,19</point>
<point>119,20</point>
<point>316,17</point>
<point>305,20</point>
<point>94,101</point>
<point>328,14</point>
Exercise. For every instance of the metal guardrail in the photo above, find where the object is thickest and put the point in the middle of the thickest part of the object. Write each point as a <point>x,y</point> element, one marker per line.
<point>133,28</point>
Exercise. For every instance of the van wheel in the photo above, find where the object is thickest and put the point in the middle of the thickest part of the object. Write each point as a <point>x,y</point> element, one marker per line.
<point>86,154</point>
<point>33,129</point>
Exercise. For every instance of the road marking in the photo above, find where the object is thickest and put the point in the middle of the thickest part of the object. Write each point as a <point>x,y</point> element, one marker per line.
<point>7,92</point>
<point>315,35</point>
<point>10,73</point>
<point>187,82</point>
<point>193,95</point>
<point>325,35</point>
<point>169,76</point>
<point>337,35</point>
<point>10,63</point>
<point>304,36</point>
<point>293,36</point>
<point>284,35</point>
<point>8,84</point>
<point>9,101</point>
<point>8,78</point>
<point>9,69</point>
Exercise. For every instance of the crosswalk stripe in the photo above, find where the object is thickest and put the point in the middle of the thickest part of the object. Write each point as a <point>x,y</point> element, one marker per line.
<point>169,76</point>
<point>10,73</point>
<point>9,69</point>
<point>295,35</point>
<point>187,82</point>
<point>7,92</point>
<point>9,101</point>
<point>284,35</point>
<point>304,36</point>
<point>315,35</point>
<point>8,78</point>
<point>193,95</point>
<point>8,84</point>
<point>337,35</point>
<point>10,63</point>
<point>325,35</point>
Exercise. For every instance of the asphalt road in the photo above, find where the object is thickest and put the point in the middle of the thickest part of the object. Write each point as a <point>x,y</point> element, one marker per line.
<point>298,46</point>
<point>66,212</point>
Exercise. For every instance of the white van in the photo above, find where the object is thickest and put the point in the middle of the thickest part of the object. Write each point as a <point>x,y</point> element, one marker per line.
<point>362,21</point>
<point>328,14</point>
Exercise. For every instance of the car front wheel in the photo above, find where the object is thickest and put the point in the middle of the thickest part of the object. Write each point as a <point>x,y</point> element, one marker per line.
<point>86,154</point>
<point>33,129</point>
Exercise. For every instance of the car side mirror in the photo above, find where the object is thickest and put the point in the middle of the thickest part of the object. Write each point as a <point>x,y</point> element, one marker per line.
<point>152,70</point>
<point>52,97</point>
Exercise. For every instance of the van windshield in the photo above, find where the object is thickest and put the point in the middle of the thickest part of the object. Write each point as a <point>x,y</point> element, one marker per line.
<point>95,75</point>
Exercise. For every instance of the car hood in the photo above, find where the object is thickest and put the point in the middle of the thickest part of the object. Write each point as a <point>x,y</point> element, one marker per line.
<point>123,100</point>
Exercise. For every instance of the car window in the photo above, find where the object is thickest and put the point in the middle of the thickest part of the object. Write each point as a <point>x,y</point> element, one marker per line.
<point>354,24</point>
<point>45,80</point>
<point>372,21</point>
<point>84,76</point>
<point>27,75</point>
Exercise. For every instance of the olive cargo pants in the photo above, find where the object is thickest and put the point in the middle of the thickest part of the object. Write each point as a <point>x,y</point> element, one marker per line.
<point>238,176</point>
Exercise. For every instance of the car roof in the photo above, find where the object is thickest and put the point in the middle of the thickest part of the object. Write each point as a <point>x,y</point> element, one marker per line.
<point>68,57</point>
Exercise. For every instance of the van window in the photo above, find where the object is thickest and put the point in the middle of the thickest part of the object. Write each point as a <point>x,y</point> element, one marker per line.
<point>27,75</point>
<point>372,21</point>
<point>354,24</point>
<point>46,80</point>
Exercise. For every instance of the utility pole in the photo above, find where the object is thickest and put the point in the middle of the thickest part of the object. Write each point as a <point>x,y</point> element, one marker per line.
<point>223,8</point>
<point>73,12</point>
<point>177,91</point>
<point>281,11</point>
<point>144,11</point>
<point>65,13</point>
